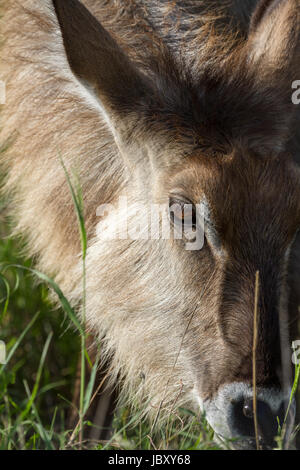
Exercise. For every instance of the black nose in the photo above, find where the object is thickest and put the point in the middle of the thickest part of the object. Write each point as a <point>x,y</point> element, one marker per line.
<point>267,420</point>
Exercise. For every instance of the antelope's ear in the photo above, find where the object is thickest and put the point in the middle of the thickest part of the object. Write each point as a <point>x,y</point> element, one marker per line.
<point>274,37</point>
<point>99,64</point>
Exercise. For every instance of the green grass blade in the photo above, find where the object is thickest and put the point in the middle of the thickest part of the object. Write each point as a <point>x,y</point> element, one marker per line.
<point>17,343</point>
<point>90,386</point>
<point>78,203</point>
<point>63,300</point>
<point>38,378</point>
<point>6,302</point>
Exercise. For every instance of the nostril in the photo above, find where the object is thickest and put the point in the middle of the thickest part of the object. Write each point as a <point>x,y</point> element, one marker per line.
<point>243,420</point>
<point>241,414</point>
<point>267,422</point>
<point>248,409</point>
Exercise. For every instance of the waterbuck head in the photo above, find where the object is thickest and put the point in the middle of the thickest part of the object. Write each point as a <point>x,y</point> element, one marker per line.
<point>215,139</point>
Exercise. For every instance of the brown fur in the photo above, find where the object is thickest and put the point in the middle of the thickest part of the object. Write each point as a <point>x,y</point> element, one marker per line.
<point>209,112</point>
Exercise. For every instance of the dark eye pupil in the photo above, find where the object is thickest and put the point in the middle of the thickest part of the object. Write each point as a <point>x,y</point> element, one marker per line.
<point>182,213</point>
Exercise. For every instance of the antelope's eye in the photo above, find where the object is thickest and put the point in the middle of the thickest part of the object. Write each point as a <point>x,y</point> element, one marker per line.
<point>182,213</point>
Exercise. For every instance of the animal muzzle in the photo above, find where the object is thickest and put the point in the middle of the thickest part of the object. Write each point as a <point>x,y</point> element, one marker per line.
<point>231,415</point>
